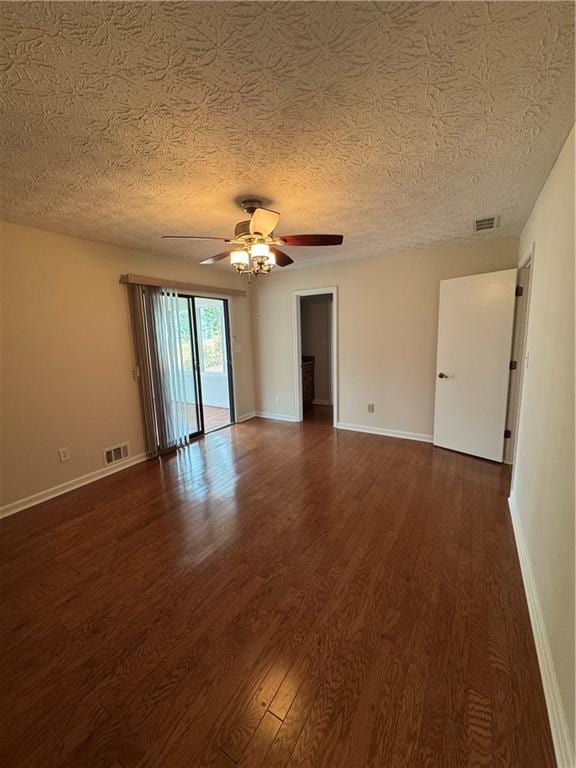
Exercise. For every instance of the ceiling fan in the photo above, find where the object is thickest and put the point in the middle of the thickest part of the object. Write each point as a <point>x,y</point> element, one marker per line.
<point>253,248</point>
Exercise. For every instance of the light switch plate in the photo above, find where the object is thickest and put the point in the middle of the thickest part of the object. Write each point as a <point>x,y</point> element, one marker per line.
<point>64,454</point>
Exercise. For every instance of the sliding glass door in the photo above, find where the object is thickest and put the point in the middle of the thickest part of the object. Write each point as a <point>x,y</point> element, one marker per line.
<point>204,356</point>
<point>214,362</point>
<point>187,357</point>
<point>184,365</point>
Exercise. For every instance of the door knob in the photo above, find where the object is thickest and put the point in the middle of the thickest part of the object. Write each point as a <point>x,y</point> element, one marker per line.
<point>442,376</point>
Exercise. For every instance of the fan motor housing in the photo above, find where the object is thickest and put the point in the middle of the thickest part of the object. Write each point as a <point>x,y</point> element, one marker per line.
<point>242,229</point>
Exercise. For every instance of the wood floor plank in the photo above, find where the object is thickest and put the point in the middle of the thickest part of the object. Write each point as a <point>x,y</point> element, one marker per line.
<point>358,605</point>
<point>254,755</point>
<point>287,737</point>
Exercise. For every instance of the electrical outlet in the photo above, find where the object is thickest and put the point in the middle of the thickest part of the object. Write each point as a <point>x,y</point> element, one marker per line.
<point>64,454</point>
<point>370,407</point>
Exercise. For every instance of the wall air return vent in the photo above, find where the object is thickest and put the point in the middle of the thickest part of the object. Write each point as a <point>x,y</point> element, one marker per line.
<point>486,223</point>
<point>116,453</point>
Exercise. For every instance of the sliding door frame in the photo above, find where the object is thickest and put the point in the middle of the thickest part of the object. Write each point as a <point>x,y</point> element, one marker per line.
<point>196,364</point>
<point>231,400</point>
<point>228,351</point>
<point>194,334</point>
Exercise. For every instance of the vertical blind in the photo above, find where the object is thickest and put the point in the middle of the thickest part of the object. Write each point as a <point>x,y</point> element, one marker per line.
<point>159,343</point>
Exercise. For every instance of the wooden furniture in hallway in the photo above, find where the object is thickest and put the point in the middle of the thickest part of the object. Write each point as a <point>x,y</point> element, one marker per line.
<point>273,595</point>
<point>308,365</point>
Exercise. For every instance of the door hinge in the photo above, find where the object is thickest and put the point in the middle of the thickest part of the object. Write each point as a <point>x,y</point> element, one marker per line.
<point>519,290</point>
<point>513,365</point>
<point>507,433</point>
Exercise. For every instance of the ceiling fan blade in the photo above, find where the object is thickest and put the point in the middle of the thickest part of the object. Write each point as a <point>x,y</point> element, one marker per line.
<point>193,237</point>
<point>214,259</point>
<point>312,239</point>
<point>263,221</point>
<point>282,259</point>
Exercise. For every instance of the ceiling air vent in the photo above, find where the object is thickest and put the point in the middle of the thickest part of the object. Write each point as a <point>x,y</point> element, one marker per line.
<point>116,453</point>
<point>486,223</point>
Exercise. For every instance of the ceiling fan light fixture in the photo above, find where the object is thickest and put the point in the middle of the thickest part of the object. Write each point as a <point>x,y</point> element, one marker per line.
<point>255,246</point>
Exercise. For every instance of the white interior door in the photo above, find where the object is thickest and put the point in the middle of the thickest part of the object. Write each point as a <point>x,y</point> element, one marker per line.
<point>474,345</point>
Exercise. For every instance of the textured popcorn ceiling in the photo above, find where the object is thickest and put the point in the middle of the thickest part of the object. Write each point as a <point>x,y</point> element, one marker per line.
<point>393,123</point>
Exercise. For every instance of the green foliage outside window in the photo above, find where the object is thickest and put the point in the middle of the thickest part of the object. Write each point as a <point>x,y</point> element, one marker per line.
<point>185,345</point>
<point>211,329</point>
<point>211,335</point>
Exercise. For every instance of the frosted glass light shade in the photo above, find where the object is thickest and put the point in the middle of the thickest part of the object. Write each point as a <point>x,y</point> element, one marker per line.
<point>259,249</point>
<point>239,257</point>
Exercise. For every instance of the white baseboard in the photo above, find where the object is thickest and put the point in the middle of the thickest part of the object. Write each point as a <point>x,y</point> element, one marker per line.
<point>558,723</point>
<point>246,417</point>
<point>70,485</point>
<point>321,402</point>
<point>385,432</point>
<point>275,416</point>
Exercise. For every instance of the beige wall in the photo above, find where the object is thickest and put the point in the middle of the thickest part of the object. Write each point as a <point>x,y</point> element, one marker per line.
<point>67,356</point>
<point>543,490</point>
<point>387,324</point>
<point>316,339</point>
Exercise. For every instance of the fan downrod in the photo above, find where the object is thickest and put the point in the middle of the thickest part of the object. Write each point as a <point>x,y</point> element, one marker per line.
<point>250,204</point>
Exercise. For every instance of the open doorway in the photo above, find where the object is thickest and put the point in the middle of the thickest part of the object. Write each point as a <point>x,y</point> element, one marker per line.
<point>315,361</point>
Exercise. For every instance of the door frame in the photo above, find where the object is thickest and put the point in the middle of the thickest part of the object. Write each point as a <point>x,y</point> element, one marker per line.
<point>297,349</point>
<point>196,363</point>
<point>230,362</point>
<point>227,340</point>
<point>527,259</point>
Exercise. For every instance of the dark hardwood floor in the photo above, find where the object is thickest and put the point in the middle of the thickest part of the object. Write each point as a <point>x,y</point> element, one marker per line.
<point>274,595</point>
